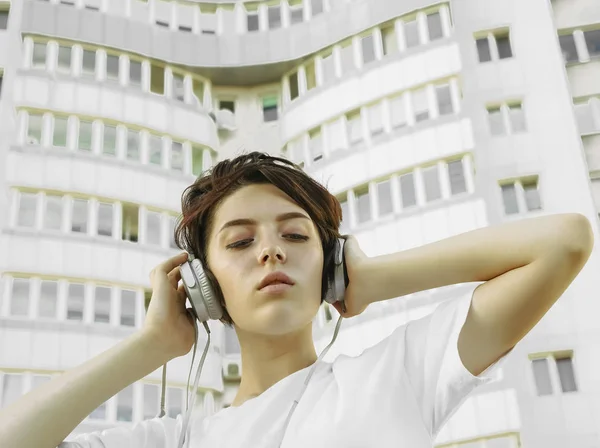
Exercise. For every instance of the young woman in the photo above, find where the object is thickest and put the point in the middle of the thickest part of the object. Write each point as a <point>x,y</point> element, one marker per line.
<point>257,215</point>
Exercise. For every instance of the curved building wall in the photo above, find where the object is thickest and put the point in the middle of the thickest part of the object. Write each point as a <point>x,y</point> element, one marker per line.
<point>425,119</point>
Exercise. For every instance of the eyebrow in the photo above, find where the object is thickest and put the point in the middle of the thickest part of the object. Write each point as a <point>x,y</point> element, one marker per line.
<point>252,222</point>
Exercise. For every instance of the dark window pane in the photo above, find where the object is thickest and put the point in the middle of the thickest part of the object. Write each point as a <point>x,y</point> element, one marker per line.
<point>569,50</point>
<point>483,50</point>
<point>566,374</point>
<point>509,197</point>
<point>592,40</point>
<point>541,374</point>
<point>504,48</point>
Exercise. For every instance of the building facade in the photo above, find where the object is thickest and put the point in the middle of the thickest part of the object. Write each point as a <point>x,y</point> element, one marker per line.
<point>425,119</point>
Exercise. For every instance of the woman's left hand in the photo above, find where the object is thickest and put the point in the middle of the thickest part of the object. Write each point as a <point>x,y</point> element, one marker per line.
<point>357,297</point>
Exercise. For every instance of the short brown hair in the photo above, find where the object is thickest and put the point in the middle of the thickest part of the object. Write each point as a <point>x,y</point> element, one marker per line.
<point>200,200</point>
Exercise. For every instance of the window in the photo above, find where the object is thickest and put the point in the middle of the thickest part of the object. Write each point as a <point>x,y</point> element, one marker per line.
<point>456,174</point>
<point>431,180</point>
<point>368,48</point>
<point>592,41</point>
<point>208,22</point>
<point>19,305</point>
<point>27,208</point>
<point>53,212</point>
<point>12,388</point>
<point>274,14</point>
<point>355,131</point>
<point>39,55</point>
<point>59,136</point>
<point>434,24</point>
<point>316,6</point>
<point>125,404</point>
<point>444,99</point>
<point>398,111</point>
<point>390,43</point>
<point>517,118</point>
<point>64,59</point>
<point>328,68</point>
<point>153,228</point>
<point>375,113</point>
<point>509,198</point>
<point>34,129</point>
<point>296,12</point>
<point>345,223</point>
<point>172,225</point>
<point>483,49</point>
<point>270,108</point>
<point>501,39</point>
<point>128,299</point>
<point>384,193</point>
<point>85,136</point>
<point>531,199</point>
<point>75,301</point>
<point>110,140</point>
<point>197,160</point>
<point>177,156</point>
<point>504,47</point>
<point>532,194</point>
<point>407,190</point>
<point>178,88</point>
<point>151,401</point>
<point>174,401</point>
<point>3,20</point>
<point>294,86</point>
<point>157,79</point>
<point>198,91</point>
<point>252,18</point>
<point>420,105</point>
<point>335,135</point>
<point>102,304</point>
<point>311,75</point>
<point>568,47</point>
<point>347,56</point>
<point>411,33</point>
<point>227,105</point>
<point>105,219</point>
<point>48,304</point>
<point>80,216</point>
<point>135,73</point>
<point>162,24</point>
<point>112,67</point>
<point>565,372</point>
<point>155,145</point>
<point>363,205</point>
<point>1,77</point>
<point>316,144</point>
<point>133,145</point>
<point>130,223</point>
<point>89,63</point>
<point>496,121</point>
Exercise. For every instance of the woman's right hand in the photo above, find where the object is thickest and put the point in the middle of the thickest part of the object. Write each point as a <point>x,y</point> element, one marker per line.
<point>168,323</point>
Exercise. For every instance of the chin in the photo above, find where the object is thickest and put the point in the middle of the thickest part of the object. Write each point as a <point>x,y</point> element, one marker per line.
<point>278,318</point>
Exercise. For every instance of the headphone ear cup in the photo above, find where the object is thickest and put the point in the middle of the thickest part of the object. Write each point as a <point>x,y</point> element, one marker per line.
<point>200,292</point>
<point>337,288</point>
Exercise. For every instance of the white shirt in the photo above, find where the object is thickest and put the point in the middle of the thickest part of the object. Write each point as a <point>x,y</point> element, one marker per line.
<point>398,393</point>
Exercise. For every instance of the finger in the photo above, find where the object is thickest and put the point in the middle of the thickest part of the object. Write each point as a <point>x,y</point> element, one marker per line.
<point>175,276</point>
<point>171,263</point>
<point>181,292</point>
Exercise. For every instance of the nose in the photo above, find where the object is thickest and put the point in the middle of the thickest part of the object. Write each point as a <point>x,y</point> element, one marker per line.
<point>273,253</point>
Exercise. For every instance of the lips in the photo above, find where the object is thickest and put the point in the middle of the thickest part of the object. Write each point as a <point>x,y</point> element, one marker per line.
<point>275,278</point>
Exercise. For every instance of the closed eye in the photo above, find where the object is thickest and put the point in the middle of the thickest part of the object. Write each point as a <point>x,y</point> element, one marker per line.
<point>245,242</point>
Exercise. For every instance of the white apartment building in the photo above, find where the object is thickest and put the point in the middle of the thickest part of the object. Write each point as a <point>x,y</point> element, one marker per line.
<point>425,118</point>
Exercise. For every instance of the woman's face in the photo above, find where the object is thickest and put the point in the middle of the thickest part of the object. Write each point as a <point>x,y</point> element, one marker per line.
<point>256,231</point>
